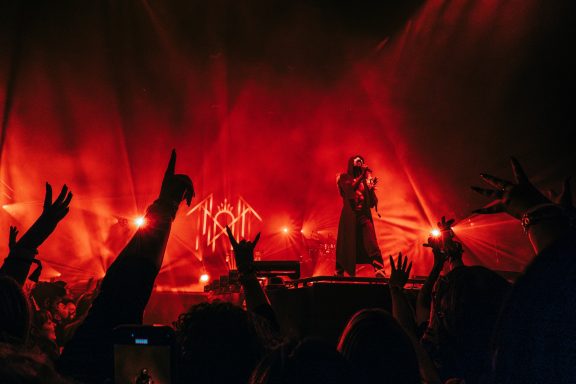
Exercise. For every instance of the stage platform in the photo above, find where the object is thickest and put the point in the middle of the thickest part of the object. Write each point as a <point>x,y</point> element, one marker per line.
<point>321,306</point>
<point>415,282</point>
<point>317,306</point>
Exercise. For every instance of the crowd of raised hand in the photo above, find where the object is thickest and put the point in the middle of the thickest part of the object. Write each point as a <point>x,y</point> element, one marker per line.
<point>468,325</point>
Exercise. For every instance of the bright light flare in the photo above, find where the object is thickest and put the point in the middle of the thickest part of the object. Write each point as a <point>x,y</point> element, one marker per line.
<point>204,278</point>
<point>435,233</point>
<point>285,229</point>
<point>140,221</point>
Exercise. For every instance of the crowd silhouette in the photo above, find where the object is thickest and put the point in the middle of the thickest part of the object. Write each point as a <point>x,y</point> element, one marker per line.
<point>467,325</point>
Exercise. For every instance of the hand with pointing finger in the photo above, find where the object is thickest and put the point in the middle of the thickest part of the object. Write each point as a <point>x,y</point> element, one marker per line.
<point>175,188</point>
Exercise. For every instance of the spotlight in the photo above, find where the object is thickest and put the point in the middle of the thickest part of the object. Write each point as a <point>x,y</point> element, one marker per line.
<point>435,233</point>
<point>285,229</point>
<point>140,221</point>
<point>204,278</point>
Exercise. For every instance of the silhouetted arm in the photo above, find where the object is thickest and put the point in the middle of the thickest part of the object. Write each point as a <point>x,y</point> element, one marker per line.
<point>23,251</point>
<point>127,286</point>
<point>402,312</point>
<point>520,199</point>
<point>534,339</point>
<point>256,299</point>
<point>424,299</point>
<point>400,307</point>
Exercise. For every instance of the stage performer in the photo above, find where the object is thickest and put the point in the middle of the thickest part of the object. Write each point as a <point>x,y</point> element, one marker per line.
<point>356,242</point>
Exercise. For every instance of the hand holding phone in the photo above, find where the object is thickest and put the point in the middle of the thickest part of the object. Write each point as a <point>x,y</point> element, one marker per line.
<point>144,354</point>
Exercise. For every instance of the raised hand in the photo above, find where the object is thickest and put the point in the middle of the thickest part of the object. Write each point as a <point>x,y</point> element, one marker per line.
<point>243,252</point>
<point>371,182</point>
<point>514,198</point>
<point>52,214</point>
<point>175,187</point>
<point>438,243</point>
<point>444,225</point>
<point>255,296</point>
<point>55,211</point>
<point>400,273</point>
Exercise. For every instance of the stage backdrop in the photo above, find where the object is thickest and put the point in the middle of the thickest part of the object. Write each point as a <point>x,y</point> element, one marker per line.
<point>264,102</point>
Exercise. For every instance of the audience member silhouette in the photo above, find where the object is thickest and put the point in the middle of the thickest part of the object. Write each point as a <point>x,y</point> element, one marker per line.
<point>19,366</point>
<point>219,343</point>
<point>43,335</point>
<point>446,251</point>
<point>404,314</point>
<point>478,329</point>
<point>536,340</point>
<point>465,309</point>
<point>309,361</point>
<point>379,349</point>
<point>15,318</point>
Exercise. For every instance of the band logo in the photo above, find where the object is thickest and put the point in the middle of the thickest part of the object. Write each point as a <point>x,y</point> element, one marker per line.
<point>211,221</point>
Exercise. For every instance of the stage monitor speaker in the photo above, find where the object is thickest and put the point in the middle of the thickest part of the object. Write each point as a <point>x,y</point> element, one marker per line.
<point>274,268</point>
<point>323,309</point>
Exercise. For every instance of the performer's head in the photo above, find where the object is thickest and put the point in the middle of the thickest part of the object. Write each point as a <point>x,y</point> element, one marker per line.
<point>355,164</point>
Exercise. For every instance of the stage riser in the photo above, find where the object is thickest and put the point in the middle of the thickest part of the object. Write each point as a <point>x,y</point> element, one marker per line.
<point>319,310</point>
<point>323,309</point>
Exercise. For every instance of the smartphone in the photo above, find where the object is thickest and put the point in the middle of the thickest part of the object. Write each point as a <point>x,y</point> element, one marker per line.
<point>144,354</point>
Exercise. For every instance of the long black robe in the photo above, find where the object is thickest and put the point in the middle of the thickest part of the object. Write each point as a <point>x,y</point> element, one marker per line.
<point>349,247</point>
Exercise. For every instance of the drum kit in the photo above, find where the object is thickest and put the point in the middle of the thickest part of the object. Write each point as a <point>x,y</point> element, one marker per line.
<point>319,251</point>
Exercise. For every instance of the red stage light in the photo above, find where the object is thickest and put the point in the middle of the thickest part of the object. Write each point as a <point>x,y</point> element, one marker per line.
<point>204,278</point>
<point>285,229</point>
<point>140,221</point>
<point>435,233</point>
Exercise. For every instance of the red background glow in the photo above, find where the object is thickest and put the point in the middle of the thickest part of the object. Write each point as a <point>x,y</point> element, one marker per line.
<point>267,100</point>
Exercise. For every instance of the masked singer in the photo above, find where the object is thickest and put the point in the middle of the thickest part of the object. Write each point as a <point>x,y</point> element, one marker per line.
<point>356,242</point>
